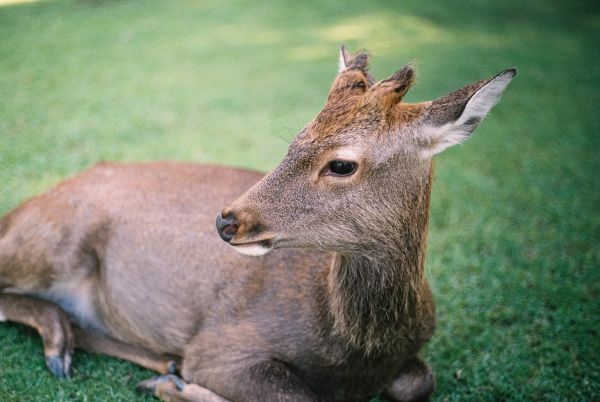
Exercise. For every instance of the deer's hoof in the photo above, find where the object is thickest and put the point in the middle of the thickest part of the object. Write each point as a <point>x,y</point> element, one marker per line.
<point>154,385</point>
<point>59,366</point>
<point>172,367</point>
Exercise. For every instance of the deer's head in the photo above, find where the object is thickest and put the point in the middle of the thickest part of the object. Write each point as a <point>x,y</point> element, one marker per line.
<point>355,175</point>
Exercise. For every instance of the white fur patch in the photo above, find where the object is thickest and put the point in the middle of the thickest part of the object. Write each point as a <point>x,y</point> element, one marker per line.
<point>476,108</point>
<point>75,297</point>
<point>486,97</point>
<point>254,249</point>
<point>341,62</point>
<point>351,154</point>
<point>444,137</point>
<point>2,316</point>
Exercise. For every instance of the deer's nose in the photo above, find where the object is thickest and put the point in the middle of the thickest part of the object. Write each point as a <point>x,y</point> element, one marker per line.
<point>227,226</point>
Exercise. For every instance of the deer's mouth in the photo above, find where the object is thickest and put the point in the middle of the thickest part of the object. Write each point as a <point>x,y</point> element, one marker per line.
<point>253,248</point>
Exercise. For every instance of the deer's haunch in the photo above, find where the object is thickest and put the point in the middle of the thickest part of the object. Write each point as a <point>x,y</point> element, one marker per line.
<point>335,309</point>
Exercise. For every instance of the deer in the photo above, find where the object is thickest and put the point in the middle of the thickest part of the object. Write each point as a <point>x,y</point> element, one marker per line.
<point>312,287</point>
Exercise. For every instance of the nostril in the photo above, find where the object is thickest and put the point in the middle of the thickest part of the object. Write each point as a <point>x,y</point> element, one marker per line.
<point>230,230</point>
<point>227,226</point>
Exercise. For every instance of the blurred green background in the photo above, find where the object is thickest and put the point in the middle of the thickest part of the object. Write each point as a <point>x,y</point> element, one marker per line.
<point>515,216</point>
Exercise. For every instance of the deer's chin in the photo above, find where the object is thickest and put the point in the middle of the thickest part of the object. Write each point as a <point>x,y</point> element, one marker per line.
<point>253,249</point>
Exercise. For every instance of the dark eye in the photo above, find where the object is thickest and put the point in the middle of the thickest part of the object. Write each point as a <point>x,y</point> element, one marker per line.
<point>341,168</point>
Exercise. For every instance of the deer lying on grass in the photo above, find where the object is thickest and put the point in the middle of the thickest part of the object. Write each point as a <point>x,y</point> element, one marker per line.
<point>123,259</point>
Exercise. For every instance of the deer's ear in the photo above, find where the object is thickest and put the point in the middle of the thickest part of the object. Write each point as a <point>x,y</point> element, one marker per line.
<point>452,118</point>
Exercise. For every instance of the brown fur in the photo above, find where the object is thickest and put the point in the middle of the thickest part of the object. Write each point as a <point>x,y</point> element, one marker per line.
<point>336,312</point>
<point>93,342</point>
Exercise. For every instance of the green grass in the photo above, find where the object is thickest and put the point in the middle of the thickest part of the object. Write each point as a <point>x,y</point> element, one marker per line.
<point>515,220</point>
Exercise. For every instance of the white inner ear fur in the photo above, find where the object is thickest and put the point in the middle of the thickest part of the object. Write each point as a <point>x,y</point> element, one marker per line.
<point>2,316</point>
<point>476,109</point>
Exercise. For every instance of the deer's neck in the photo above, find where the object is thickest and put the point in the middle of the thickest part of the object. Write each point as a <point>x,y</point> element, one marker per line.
<point>375,296</point>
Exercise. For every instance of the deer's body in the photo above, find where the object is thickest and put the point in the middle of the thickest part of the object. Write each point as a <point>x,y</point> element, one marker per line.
<point>121,258</point>
<point>130,253</point>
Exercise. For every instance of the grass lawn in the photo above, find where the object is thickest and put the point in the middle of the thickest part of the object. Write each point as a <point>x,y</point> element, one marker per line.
<point>515,217</point>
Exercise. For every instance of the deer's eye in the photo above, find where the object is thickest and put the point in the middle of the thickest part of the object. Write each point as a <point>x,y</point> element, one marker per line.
<point>341,168</point>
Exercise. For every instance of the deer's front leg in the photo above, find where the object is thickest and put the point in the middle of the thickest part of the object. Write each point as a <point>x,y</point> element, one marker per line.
<point>172,388</point>
<point>97,343</point>
<point>263,382</point>
<point>50,322</point>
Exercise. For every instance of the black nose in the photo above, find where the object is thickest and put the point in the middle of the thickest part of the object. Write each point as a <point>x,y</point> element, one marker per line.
<point>227,226</point>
